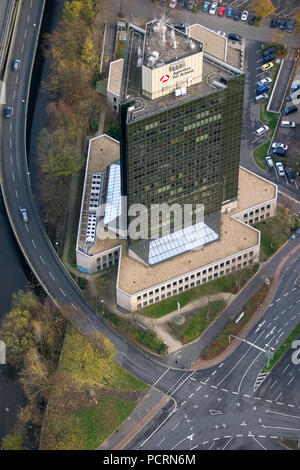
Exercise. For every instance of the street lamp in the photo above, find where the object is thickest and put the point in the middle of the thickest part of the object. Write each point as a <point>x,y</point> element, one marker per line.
<point>191,437</point>
<point>102,307</point>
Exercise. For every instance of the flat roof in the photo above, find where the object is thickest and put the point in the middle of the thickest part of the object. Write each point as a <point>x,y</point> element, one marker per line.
<point>160,37</point>
<point>213,43</point>
<point>103,150</point>
<point>115,76</point>
<point>253,190</point>
<point>131,88</point>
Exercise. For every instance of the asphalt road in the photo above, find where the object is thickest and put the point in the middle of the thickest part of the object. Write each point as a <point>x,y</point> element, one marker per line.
<point>236,376</point>
<point>236,404</point>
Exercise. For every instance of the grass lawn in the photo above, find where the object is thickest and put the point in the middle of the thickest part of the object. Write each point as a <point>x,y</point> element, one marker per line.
<point>275,231</point>
<point>147,339</point>
<point>73,419</point>
<point>196,322</point>
<point>229,283</point>
<point>282,349</point>
<point>260,153</point>
<point>221,342</point>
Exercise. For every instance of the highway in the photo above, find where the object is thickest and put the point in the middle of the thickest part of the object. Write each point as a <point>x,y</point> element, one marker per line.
<point>196,393</point>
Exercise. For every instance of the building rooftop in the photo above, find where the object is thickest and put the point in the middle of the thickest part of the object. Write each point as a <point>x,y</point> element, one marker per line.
<point>131,88</point>
<point>253,190</point>
<point>103,151</point>
<point>169,43</point>
<point>213,43</point>
<point>115,76</point>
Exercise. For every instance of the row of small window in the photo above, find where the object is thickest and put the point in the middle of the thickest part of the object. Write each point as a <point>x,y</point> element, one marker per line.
<point>188,286</point>
<point>261,209</point>
<point>204,272</point>
<point>110,258</point>
<point>250,221</point>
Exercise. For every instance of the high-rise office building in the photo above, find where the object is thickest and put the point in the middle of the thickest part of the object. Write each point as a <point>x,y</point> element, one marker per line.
<point>181,116</point>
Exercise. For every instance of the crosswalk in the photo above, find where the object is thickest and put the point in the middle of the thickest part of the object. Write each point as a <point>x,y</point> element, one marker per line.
<point>259,379</point>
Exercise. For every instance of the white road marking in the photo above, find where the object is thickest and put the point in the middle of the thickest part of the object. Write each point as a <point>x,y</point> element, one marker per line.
<point>42,260</point>
<point>290,381</point>
<point>159,378</point>
<point>62,291</point>
<point>175,426</point>
<point>52,276</point>
<point>76,308</point>
<point>33,244</point>
<point>16,194</point>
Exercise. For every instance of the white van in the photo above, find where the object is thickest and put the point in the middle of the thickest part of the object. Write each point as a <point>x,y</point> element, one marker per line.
<point>261,131</point>
<point>287,124</point>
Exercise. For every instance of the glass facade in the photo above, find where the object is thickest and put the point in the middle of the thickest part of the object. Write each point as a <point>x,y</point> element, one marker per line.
<point>187,154</point>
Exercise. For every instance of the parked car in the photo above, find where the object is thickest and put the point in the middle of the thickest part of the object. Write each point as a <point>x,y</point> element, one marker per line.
<point>162,2</point>
<point>295,88</point>
<point>191,4</point>
<point>277,145</point>
<point>244,15</point>
<point>237,15</point>
<point>229,12</point>
<point>289,174</point>
<point>234,37</point>
<point>290,26</point>
<point>287,124</point>
<point>281,24</point>
<point>173,3</point>
<point>264,81</point>
<point>7,111</point>
<point>289,97</point>
<point>222,11</point>
<point>279,152</point>
<point>262,97</point>
<point>279,168</point>
<point>181,4</point>
<point>213,8</point>
<point>205,6</point>
<point>221,33</point>
<point>269,58</point>
<point>274,22</point>
<point>270,50</point>
<point>262,89</point>
<point>267,66</point>
<point>261,131</point>
<point>269,162</point>
<point>16,65</point>
<point>290,110</point>
<point>251,19</point>
<point>179,26</point>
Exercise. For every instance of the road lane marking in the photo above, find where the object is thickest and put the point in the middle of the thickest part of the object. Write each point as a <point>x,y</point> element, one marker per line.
<point>62,291</point>
<point>42,260</point>
<point>52,276</point>
<point>33,244</point>
<point>16,194</point>
<point>160,377</point>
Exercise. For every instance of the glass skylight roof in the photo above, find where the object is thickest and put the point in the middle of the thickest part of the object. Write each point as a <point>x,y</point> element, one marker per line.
<point>189,238</point>
<point>113,197</point>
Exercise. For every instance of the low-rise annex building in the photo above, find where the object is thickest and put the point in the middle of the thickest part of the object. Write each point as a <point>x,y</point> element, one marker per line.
<point>139,285</point>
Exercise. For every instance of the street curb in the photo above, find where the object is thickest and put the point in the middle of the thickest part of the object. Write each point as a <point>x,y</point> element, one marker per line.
<point>205,364</point>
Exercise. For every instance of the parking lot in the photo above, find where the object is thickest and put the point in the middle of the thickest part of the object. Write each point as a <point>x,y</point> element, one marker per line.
<point>284,8</point>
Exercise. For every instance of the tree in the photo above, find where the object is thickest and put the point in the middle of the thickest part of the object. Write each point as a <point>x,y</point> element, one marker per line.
<point>13,441</point>
<point>34,375</point>
<point>263,8</point>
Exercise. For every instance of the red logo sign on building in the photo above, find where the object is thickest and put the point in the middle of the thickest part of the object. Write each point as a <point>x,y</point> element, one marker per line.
<point>164,78</point>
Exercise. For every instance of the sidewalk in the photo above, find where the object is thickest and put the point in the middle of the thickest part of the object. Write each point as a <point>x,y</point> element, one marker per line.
<point>147,409</point>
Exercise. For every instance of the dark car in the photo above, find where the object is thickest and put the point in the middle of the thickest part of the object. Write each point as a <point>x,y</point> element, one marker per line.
<point>269,58</point>
<point>179,26</point>
<point>181,3</point>
<point>251,19</point>
<point>7,111</point>
<point>295,88</point>
<point>274,22</point>
<point>191,4</point>
<point>270,50</point>
<point>234,37</point>
<point>237,15</point>
<point>290,26</point>
<point>290,110</point>
<point>281,24</point>
<point>279,151</point>
<point>162,2</point>
<point>289,174</point>
<point>262,89</point>
<point>289,97</point>
<point>229,12</point>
